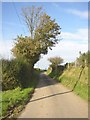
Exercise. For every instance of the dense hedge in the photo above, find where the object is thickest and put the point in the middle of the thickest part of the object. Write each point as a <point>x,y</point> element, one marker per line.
<point>15,73</point>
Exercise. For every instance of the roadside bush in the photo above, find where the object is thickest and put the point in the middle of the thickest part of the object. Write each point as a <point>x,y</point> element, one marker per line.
<point>15,73</point>
<point>55,73</point>
<point>9,74</point>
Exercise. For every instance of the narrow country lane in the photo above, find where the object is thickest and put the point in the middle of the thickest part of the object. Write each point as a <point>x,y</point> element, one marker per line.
<point>53,100</point>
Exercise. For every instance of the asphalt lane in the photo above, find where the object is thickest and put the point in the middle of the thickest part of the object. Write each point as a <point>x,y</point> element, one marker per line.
<point>53,100</point>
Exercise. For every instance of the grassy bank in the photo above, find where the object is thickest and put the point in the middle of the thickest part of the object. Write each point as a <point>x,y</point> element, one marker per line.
<point>75,78</point>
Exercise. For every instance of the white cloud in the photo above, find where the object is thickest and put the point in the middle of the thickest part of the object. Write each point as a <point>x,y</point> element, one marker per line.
<point>80,34</point>
<point>5,48</point>
<point>82,14</point>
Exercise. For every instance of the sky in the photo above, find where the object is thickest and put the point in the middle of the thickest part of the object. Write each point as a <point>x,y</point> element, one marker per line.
<point>71,16</point>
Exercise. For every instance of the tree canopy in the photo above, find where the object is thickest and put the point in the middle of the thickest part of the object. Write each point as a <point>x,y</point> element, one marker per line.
<point>83,59</point>
<point>43,35</point>
<point>32,16</point>
<point>55,61</point>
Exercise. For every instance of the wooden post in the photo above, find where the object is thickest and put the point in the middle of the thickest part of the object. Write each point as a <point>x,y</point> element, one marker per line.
<point>85,62</point>
<point>76,63</point>
<point>68,65</point>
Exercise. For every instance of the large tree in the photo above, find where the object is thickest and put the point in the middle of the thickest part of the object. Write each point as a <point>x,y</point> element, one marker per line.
<point>55,61</point>
<point>43,35</point>
<point>32,16</point>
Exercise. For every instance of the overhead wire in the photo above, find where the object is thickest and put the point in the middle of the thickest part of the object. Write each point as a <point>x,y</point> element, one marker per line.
<point>18,16</point>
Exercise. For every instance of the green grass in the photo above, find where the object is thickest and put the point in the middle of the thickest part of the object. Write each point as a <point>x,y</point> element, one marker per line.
<point>71,76</point>
<point>17,98</point>
<point>14,98</point>
<point>53,74</point>
<point>48,71</point>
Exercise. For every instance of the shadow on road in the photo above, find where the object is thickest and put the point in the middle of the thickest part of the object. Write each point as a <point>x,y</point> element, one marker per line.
<point>50,96</point>
<point>47,81</point>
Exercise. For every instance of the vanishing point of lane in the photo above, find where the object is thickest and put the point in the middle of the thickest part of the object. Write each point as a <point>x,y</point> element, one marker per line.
<point>53,100</point>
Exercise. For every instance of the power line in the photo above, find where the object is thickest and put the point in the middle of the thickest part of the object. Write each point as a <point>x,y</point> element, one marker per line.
<point>18,17</point>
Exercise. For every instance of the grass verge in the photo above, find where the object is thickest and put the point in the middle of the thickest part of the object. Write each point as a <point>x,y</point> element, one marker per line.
<point>14,98</point>
<point>71,76</point>
<point>13,101</point>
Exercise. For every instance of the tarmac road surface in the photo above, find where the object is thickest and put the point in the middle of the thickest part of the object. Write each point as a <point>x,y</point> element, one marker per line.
<point>53,100</point>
